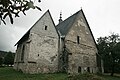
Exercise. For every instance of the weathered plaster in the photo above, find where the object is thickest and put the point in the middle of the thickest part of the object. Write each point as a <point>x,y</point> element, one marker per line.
<point>83,54</point>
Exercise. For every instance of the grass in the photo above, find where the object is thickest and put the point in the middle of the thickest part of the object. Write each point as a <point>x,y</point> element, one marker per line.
<point>7,73</point>
<point>94,77</point>
<point>108,77</point>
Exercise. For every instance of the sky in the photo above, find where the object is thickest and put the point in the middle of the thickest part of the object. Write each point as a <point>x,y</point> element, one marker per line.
<point>103,17</point>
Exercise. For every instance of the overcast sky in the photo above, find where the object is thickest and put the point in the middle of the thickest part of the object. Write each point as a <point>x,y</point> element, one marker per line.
<point>103,17</point>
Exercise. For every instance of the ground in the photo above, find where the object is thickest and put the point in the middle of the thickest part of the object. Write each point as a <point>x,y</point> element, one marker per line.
<point>8,73</point>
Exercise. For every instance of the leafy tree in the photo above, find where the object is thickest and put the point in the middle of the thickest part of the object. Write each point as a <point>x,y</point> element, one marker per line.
<point>102,46</point>
<point>1,61</point>
<point>102,49</point>
<point>109,50</point>
<point>9,59</point>
<point>14,7</point>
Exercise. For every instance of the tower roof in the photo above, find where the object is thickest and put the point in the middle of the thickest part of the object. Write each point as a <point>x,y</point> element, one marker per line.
<point>60,20</point>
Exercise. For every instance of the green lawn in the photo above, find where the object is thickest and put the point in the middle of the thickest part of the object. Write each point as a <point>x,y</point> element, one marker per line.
<point>11,74</point>
<point>108,77</point>
<point>7,73</point>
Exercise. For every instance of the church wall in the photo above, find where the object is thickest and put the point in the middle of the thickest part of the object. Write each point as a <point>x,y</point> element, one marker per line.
<point>41,53</point>
<point>82,47</point>
<point>45,26</point>
<point>21,57</point>
<point>44,46</point>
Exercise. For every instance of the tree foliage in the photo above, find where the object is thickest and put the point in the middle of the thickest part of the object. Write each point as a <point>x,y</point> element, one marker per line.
<point>109,49</point>
<point>1,61</point>
<point>9,59</point>
<point>14,7</point>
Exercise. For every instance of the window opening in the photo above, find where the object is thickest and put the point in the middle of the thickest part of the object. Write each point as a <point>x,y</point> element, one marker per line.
<point>78,39</point>
<point>38,54</point>
<point>79,69</point>
<point>88,69</point>
<point>70,53</point>
<point>45,27</point>
<point>22,54</point>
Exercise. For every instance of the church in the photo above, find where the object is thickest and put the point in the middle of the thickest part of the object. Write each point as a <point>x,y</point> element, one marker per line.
<point>67,47</point>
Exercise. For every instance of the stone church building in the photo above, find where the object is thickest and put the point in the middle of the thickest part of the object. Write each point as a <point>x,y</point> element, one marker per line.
<point>67,47</point>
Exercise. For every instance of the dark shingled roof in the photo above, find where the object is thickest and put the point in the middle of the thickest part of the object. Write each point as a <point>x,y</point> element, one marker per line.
<point>64,26</point>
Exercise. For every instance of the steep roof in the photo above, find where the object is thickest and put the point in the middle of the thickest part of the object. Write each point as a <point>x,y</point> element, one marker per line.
<point>26,35</point>
<point>65,25</point>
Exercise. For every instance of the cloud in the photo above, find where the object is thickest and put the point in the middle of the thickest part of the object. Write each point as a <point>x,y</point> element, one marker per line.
<point>8,37</point>
<point>102,15</point>
<point>5,38</point>
<point>10,34</point>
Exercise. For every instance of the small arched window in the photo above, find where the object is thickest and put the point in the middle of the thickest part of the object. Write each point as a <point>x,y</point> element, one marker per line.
<point>46,27</point>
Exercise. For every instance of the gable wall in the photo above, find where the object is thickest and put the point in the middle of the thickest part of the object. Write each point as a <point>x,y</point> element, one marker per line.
<point>84,53</point>
<point>39,27</point>
<point>44,46</point>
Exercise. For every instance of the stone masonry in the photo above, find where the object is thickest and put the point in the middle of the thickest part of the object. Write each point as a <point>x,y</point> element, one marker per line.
<point>67,47</point>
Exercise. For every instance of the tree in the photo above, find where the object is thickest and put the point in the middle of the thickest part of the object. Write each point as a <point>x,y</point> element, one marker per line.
<point>14,7</point>
<point>102,50</point>
<point>102,46</point>
<point>1,61</point>
<point>9,59</point>
<point>108,48</point>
